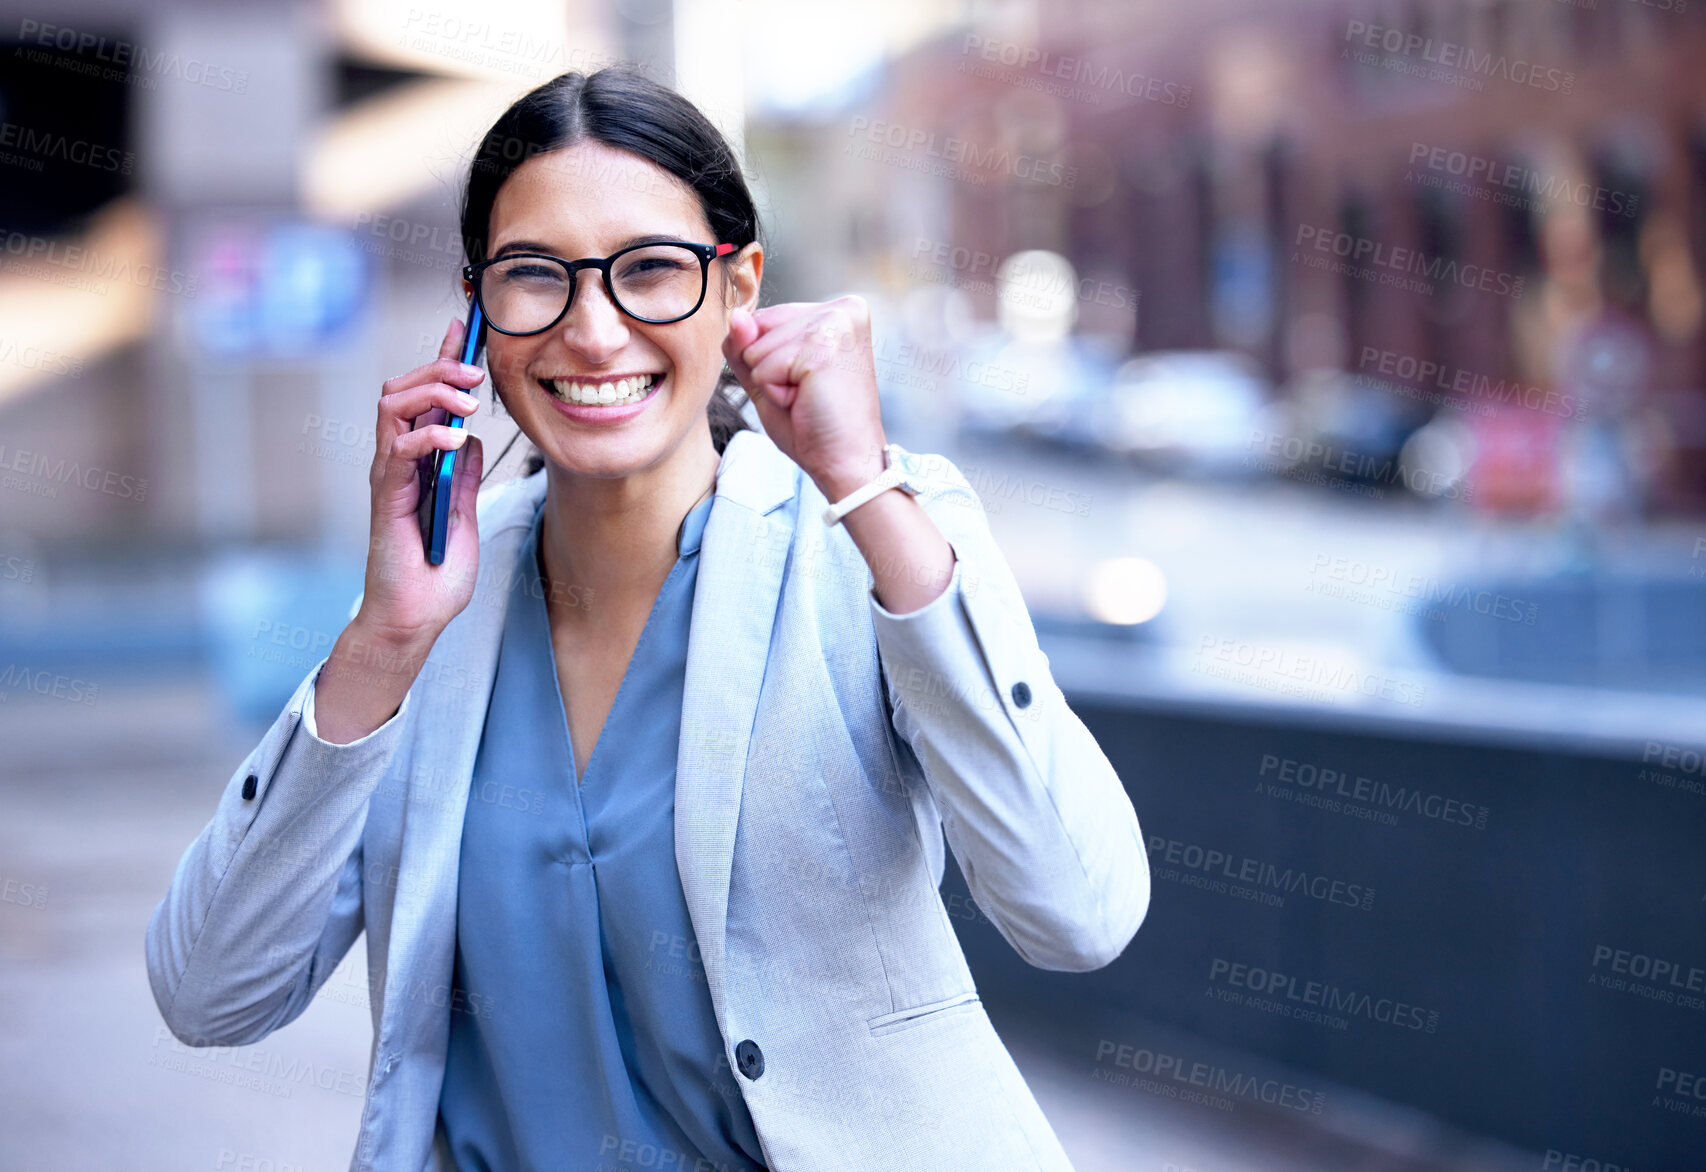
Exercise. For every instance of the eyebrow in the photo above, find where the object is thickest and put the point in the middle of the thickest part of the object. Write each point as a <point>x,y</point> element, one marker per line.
<point>535,246</point>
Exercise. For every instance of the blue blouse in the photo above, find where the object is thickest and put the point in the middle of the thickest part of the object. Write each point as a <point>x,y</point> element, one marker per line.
<point>582,1034</point>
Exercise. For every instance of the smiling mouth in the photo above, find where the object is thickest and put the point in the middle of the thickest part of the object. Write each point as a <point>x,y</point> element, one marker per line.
<point>618,393</point>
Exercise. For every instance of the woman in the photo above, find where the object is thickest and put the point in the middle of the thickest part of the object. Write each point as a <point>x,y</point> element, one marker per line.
<point>640,795</point>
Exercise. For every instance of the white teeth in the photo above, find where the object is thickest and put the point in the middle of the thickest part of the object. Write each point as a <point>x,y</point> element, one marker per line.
<point>622,391</point>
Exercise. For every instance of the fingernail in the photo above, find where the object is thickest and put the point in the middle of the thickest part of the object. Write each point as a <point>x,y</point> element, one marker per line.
<point>459,438</point>
<point>472,371</point>
<point>467,400</point>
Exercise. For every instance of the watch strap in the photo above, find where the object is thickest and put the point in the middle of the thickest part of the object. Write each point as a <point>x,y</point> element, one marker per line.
<point>890,477</point>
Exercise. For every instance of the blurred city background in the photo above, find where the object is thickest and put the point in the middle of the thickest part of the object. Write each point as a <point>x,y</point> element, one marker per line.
<point>1332,373</point>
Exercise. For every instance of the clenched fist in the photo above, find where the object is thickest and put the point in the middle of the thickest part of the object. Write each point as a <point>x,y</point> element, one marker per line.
<point>809,369</point>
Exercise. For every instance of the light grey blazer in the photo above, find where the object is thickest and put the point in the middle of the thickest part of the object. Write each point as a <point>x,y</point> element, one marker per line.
<point>825,745</point>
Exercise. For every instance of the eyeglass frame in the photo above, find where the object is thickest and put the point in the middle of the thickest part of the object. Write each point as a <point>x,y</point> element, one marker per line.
<point>705,252</point>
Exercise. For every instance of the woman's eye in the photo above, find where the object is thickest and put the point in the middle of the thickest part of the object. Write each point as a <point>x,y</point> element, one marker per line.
<point>653,266</point>
<point>532,273</point>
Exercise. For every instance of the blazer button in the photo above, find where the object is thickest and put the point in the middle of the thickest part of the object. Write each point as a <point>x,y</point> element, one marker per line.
<point>749,1058</point>
<point>249,788</point>
<point>1022,694</point>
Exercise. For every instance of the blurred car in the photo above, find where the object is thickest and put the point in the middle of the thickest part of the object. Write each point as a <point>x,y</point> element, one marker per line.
<point>1070,384</point>
<point>1044,391</point>
<point>1355,430</point>
<point>1186,411</point>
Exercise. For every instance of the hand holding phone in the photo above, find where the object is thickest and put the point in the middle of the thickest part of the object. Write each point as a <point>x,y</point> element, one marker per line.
<point>407,596</point>
<point>438,468</point>
<point>408,601</point>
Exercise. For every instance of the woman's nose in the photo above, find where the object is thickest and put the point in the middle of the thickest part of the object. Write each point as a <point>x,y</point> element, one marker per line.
<point>593,325</point>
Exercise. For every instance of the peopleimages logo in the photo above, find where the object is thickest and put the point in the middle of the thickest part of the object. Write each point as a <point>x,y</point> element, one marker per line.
<point>1570,1162</point>
<point>920,365</point>
<point>1185,1078</point>
<point>997,489</point>
<point>116,59</point>
<point>252,1066</point>
<point>1323,996</point>
<point>42,475</point>
<point>953,157</point>
<point>979,271</point>
<point>31,357</point>
<point>1366,793</point>
<point>1681,1091</point>
<point>1470,386</point>
<point>80,267</point>
<point>1674,757</point>
<point>45,683</point>
<point>1408,262</point>
<point>1389,589</point>
<point>1216,869</point>
<point>1514,177</point>
<point>1451,55</point>
<point>48,144</point>
<point>502,48</point>
<point>1088,79</point>
<point>1690,764</point>
<point>1655,978</point>
<point>1276,669</point>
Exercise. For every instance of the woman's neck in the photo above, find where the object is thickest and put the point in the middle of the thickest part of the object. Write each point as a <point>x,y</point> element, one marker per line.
<point>607,544</point>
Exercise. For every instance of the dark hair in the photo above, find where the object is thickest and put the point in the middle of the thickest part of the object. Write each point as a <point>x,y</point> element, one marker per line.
<point>619,107</point>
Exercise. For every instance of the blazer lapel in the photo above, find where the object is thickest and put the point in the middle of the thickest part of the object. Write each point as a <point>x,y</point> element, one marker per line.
<point>742,555</point>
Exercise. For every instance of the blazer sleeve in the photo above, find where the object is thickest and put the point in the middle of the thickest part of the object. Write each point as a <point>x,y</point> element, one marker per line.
<point>267,900</point>
<point>1040,823</point>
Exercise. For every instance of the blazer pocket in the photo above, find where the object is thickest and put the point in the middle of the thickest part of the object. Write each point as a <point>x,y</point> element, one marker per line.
<point>904,1019</point>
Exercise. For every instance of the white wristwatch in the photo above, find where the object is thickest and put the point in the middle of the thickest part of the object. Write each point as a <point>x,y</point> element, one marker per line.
<point>900,471</point>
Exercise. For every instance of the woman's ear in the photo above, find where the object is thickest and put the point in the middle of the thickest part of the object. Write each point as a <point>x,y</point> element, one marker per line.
<point>746,273</point>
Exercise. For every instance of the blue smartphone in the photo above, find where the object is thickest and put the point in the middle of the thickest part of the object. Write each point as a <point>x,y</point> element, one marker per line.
<point>438,469</point>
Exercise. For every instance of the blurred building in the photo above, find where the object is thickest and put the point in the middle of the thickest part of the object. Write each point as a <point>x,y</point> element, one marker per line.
<point>1468,203</point>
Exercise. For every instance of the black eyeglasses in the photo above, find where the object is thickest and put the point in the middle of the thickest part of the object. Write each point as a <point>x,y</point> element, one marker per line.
<point>524,293</point>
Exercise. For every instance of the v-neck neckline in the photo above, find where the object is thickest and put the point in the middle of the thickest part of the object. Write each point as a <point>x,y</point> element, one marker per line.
<point>688,544</point>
